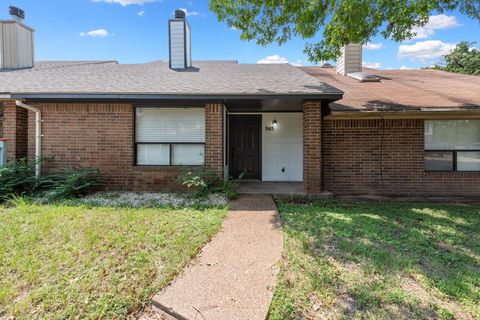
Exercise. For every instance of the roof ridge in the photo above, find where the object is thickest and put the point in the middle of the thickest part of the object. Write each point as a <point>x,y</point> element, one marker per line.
<point>81,63</point>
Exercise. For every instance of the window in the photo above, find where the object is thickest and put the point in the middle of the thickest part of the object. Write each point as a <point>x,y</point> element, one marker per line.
<point>169,136</point>
<point>452,145</point>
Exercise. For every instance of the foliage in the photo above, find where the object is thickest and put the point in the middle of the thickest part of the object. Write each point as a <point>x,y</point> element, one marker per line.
<point>19,180</point>
<point>341,22</point>
<point>230,187</point>
<point>463,59</point>
<point>73,183</point>
<point>379,261</point>
<point>203,182</point>
<point>77,262</point>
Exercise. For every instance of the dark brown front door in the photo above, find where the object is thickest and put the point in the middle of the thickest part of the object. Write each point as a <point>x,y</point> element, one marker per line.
<point>244,146</point>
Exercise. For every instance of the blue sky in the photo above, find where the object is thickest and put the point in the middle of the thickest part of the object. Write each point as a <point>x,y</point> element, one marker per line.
<point>133,31</point>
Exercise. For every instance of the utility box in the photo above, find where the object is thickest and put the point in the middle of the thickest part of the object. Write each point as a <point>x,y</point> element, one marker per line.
<point>3,153</point>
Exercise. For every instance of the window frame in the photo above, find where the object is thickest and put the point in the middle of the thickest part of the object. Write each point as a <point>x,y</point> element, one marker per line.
<point>454,159</point>
<point>454,153</point>
<point>170,145</point>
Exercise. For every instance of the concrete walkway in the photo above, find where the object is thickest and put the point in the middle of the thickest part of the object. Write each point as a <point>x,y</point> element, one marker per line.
<point>235,274</point>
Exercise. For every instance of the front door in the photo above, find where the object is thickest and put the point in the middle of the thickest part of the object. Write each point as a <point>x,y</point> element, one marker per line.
<point>244,146</point>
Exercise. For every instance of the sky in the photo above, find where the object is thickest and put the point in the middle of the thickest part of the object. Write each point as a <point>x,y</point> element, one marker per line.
<point>136,31</point>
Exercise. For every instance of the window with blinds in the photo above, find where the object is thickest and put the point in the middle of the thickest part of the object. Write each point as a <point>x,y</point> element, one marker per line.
<point>170,136</point>
<point>452,145</point>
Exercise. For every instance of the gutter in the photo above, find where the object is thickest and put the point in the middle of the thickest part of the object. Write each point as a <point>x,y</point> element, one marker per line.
<point>333,96</point>
<point>38,135</point>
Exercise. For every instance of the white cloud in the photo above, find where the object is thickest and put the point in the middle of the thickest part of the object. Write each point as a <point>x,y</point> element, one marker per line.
<point>273,59</point>
<point>126,2</point>
<point>437,22</point>
<point>190,13</point>
<point>296,63</point>
<point>276,59</point>
<point>425,50</point>
<point>407,68</point>
<point>373,46</point>
<point>95,33</point>
<point>141,13</point>
<point>373,65</point>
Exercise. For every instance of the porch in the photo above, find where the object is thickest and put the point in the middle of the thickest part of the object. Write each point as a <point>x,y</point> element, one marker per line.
<point>273,150</point>
<point>271,187</point>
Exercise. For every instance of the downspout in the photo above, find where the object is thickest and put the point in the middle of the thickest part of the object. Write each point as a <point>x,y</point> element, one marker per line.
<point>38,135</point>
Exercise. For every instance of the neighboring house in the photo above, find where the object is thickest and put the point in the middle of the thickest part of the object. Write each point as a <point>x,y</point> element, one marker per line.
<point>412,133</point>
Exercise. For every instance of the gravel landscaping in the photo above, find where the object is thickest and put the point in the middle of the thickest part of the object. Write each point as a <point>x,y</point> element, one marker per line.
<point>152,200</point>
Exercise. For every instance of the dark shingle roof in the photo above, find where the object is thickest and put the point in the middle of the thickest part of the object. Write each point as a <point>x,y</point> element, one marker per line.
<point>206,78</point>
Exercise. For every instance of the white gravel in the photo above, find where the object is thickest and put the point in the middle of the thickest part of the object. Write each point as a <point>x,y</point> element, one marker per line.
<point>140,199</point>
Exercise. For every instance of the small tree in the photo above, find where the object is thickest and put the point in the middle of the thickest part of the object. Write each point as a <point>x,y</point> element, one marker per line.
<point>463,59</point>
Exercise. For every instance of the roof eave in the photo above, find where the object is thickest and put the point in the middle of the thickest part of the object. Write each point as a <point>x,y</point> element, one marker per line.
<point>450,114</point>
<point>331,96</point>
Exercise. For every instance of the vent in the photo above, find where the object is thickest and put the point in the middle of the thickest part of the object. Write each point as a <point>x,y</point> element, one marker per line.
<point>16,13</point>
<point>363,77</point>
<point>180,14</point>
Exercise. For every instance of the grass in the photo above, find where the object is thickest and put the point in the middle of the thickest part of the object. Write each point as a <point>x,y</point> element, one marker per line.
<point>63,261</point>
<point>379,261</point>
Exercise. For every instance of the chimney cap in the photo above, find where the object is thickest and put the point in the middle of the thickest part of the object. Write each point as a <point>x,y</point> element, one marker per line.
<point>180,14</point>
<point>16,12</point>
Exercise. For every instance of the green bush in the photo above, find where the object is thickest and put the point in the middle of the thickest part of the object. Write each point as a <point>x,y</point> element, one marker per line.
<point>199,180</point>
<point>203,182</point>
<point>73,183</point>
<point>19,179</point>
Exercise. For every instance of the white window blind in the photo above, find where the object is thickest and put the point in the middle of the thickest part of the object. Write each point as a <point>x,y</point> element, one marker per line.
<point>452,135</point>
<point>452,145</point>
<point>187,154</point>
<point>170,125</point>
<point>153,154</point>
<point>170,136</point>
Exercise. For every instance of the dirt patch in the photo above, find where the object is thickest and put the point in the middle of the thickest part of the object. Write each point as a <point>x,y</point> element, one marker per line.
<point>427,298</point>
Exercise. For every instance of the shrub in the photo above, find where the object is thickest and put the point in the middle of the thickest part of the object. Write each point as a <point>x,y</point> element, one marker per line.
<point>202,182</point>
<point>19,180</point>
<point>198,180</point>
<point>72,183</point>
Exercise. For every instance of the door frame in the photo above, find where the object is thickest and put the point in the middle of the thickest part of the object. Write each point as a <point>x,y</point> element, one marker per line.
<point>259,116</point>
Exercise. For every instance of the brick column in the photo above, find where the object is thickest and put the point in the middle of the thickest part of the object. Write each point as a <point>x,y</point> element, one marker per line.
<point>15,128</point>
<point>312,147</point>
<point>214,138</point>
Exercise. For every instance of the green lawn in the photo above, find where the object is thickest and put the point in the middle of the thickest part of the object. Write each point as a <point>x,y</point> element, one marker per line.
<point>379,261</point>
<point>60,262</point>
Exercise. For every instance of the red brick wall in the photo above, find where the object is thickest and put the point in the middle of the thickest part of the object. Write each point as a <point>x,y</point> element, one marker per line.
<point>15,122</point>
<point>312,148</point>
<point>214,138</point>
<point>385,157</point>
<point>98,136</point>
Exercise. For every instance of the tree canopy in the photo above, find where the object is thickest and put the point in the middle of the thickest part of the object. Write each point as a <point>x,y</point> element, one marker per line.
<point>463,59</point>
<point>341,21</point>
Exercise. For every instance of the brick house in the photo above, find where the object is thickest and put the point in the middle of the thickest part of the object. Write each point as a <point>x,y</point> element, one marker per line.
<point>408,133</point>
